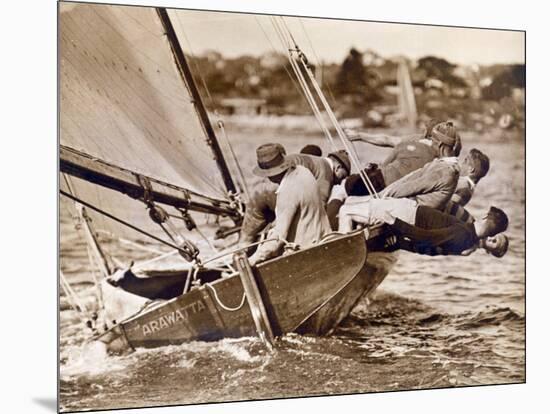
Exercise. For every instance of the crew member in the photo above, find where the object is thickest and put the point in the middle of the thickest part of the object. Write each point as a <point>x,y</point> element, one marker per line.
<point>438,233</point>
<point>407,155</point>
<point>370,211</point>
<point>300,216</point>
<point>472,169</point>
<point>432,185</point>
<point>260,210</point>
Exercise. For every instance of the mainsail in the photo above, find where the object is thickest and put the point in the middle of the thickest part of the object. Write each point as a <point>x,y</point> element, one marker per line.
<point>124,102</point>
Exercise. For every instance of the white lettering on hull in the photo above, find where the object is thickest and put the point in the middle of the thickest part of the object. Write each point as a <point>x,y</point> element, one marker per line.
<point>178,316</point>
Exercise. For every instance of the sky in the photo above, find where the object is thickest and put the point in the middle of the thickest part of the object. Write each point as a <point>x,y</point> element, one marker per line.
<point>235,34</point>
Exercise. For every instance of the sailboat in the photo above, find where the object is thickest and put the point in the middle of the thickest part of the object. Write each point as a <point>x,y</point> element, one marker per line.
<point>140,158</point>
<point>405,99</point>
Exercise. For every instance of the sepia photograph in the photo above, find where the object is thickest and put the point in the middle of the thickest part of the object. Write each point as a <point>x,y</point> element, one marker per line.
<point>271,206</point>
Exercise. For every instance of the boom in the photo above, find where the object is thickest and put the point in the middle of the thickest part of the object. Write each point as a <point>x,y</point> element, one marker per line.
<point>81,165</point>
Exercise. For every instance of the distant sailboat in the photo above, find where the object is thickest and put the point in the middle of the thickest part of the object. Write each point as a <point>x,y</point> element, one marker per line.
<point>405,98</point>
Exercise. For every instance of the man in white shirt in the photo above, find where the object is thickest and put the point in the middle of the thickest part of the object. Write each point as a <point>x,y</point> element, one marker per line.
<point>300,216</point>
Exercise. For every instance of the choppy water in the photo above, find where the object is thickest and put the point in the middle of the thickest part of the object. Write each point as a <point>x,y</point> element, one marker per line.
<point>434,322</point>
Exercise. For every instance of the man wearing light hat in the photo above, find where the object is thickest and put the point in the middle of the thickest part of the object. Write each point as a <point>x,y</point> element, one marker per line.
<point>300,216</point>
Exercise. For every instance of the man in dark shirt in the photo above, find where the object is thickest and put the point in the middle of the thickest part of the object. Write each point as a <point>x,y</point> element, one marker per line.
<point>408,155</point>
<point>438,233</point>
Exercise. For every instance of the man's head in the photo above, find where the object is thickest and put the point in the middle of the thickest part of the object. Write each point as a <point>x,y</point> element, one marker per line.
<point>496,245</point>
<point>446,139</point>
<point>341,165</point>
<point>494,222</point>
<point>475,165</point>
<point>312,150</point>
<point>430,126</point>
<point>272,162</point>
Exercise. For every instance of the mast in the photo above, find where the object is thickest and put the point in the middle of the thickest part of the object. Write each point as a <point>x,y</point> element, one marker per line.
<point>187,77</point>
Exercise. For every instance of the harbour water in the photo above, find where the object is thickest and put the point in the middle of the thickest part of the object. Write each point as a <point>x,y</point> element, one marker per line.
<point>434,322</point>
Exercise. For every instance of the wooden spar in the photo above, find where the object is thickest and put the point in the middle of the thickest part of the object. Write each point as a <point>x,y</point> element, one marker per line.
<point>99,172</point>
<point>93,245</point>
<point>92,241</point>
<point>91,237</point>
<point>254,298</point>
<point>187,77</point>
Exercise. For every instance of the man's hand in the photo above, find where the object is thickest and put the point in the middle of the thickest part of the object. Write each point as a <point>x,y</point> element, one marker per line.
<point>468,251</point>
<point>390,241</point>
<point>252,260</point>
<point>387,218</point>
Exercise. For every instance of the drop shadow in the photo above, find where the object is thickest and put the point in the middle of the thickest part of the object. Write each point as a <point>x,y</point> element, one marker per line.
<point>46,402</point>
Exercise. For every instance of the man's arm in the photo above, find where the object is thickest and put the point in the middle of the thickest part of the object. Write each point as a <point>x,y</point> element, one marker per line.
<point>284,212</point>
<point>259,212</point>
<point>380,140</point>
<point>425,181</point>
<point>462,196</point>
<point>455,209</point>
<point>337,197</point>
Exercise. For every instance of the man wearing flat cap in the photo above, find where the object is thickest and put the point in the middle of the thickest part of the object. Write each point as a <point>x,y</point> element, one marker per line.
<point>300,216</point>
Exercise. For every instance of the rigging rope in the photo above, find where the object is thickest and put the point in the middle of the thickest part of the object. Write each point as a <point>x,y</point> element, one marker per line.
<point>71,295</point>
<point>302,87</point>
<point>181,250</point>
<point>325,84</point>
<point>303,83</point>
<point>77,306</point>
<point>96,279</point>
<point>302,94</point>
<point>240,173</point>
<point>142,265</point>
<point>195,63</point>
<point>96,256</point>
<point>318,61</point>
<point>288,37</point>
<point>225,307</point>
<point>310,43</point>
<point>122,240</point>
<point>339,130</point>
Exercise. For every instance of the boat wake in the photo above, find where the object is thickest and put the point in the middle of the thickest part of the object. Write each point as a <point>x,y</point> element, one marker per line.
<point>89,359</point>
<point>389,342</point>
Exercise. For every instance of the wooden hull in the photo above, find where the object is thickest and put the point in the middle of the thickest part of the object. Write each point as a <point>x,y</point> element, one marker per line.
<point>367,280</point>
<point>309,291</point>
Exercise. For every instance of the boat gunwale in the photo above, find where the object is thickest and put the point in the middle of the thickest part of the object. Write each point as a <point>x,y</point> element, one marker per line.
<point>153,306</point>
